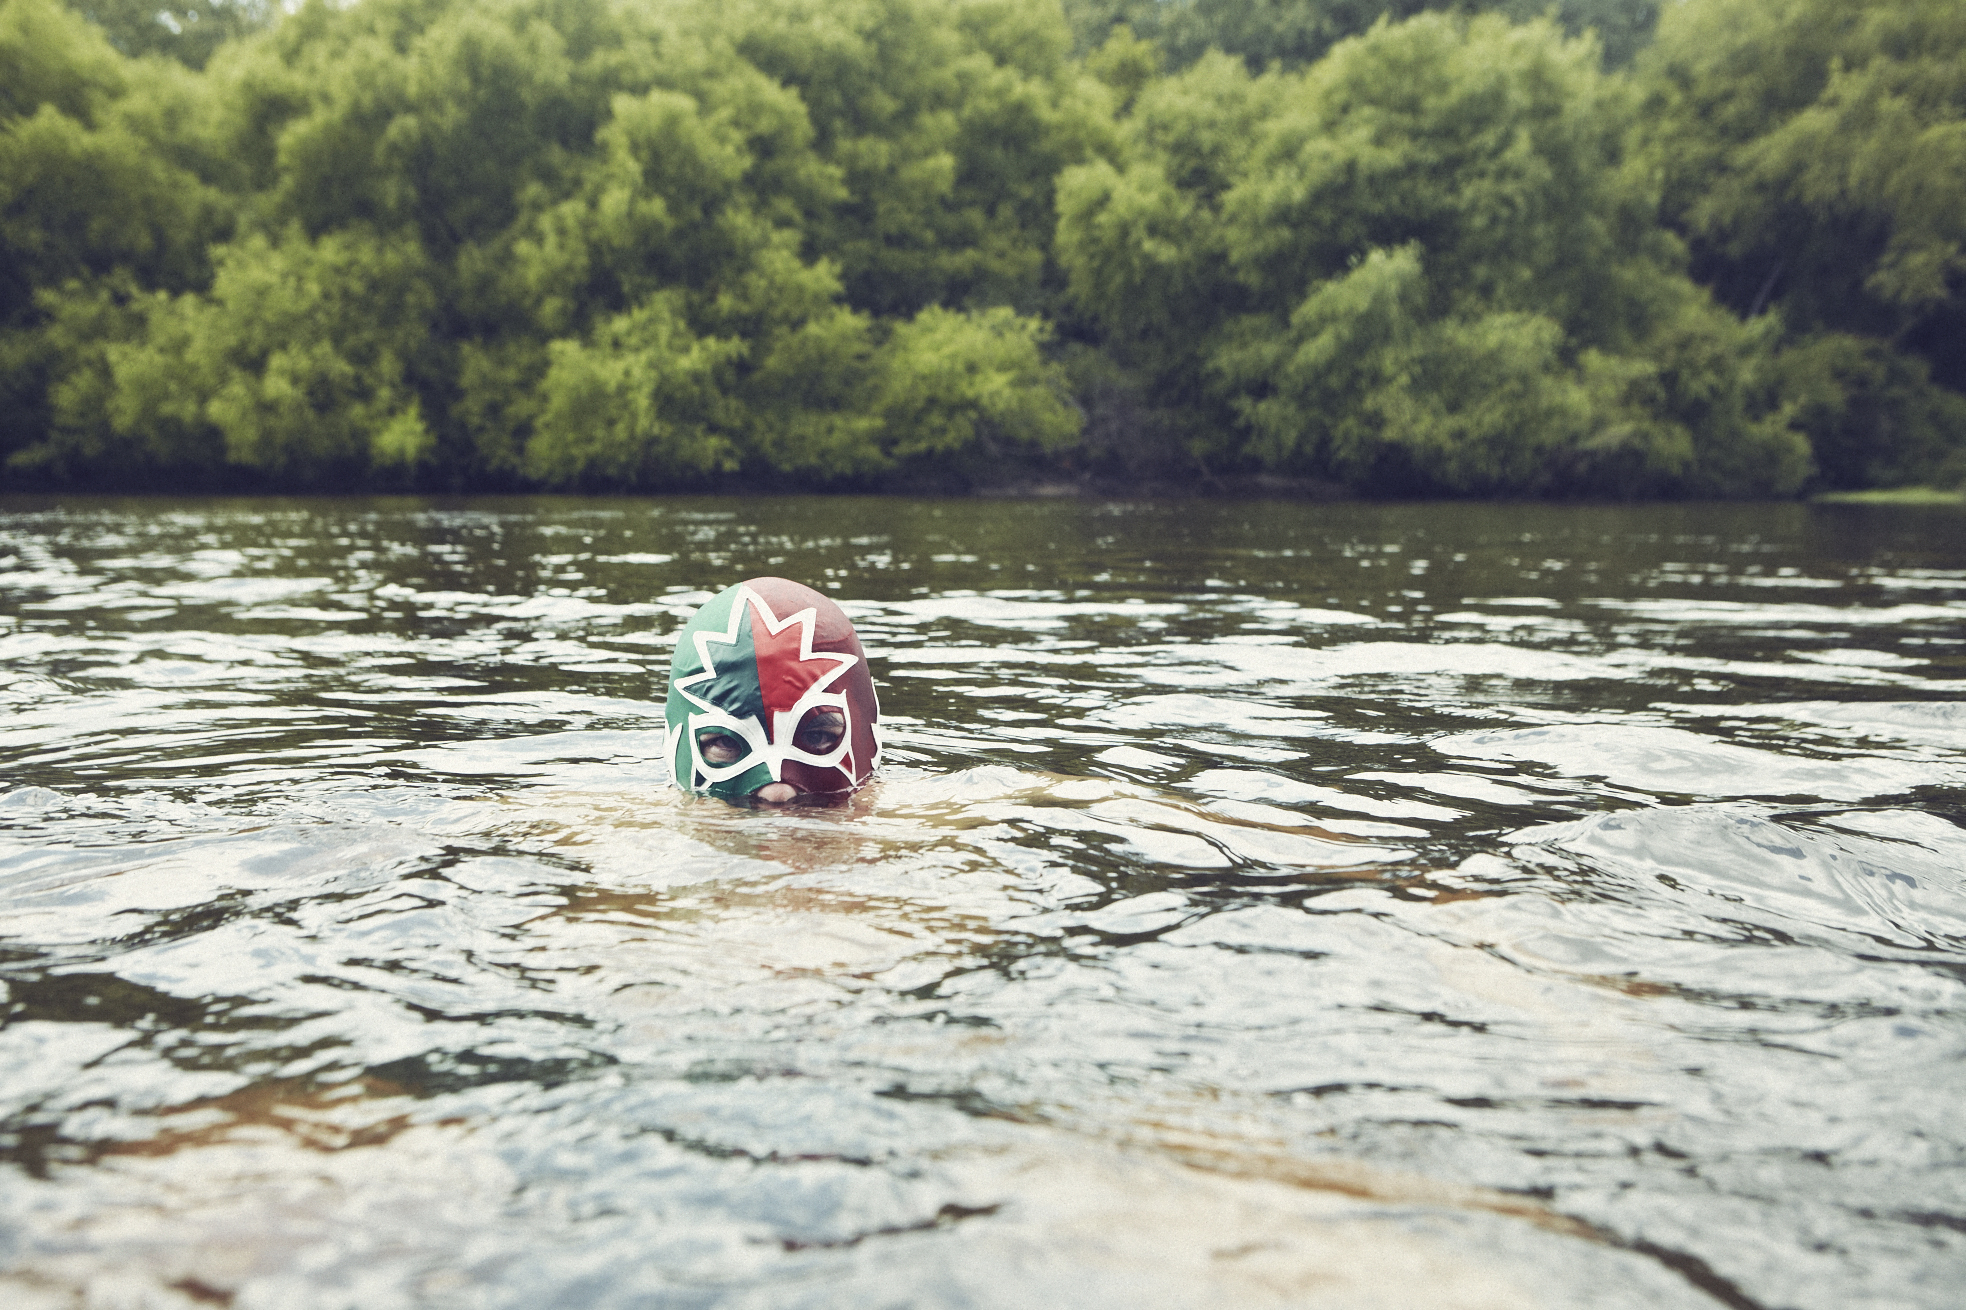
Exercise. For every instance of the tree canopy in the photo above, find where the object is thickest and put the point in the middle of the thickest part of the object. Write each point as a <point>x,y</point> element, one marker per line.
<point>603,244</point>
<point>1815,153</point>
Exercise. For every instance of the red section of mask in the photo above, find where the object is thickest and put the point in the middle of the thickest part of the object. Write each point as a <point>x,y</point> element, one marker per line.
<point>782,676</point>
<point>832,633</point>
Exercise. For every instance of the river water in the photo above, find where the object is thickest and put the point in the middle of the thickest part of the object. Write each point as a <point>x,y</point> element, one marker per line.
<point>1260,904</point>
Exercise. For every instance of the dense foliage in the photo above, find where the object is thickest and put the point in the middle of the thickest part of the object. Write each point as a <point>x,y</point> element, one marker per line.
<point>655,243</point>
<point>1294,33</point>
<point>1815,153</point>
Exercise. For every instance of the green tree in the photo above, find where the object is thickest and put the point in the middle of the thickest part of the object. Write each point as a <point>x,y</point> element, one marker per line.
<point>1873,416</point>
<point>185,30</point>
<point>947,382</point>
<point>1817,150</point>
<point>1425,264</point>
<point>749,268</point>
<point>1297,33</point>
<point>1815,153</point>
<point>948,121</point>
<point>297,364</point>
<point>97,189</point>
<point>560,241</point>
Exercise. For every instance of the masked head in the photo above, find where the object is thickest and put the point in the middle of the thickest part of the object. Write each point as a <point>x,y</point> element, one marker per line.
<point>770,697</point>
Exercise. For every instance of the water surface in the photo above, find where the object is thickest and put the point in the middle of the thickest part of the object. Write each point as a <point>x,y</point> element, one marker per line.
<point>1262,904</point>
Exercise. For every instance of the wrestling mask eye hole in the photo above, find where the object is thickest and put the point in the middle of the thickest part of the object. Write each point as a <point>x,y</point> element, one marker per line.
<point>820,732</point>
<point>719,748</point>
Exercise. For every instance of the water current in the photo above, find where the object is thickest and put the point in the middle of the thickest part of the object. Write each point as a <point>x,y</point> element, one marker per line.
<point>1259,904</point>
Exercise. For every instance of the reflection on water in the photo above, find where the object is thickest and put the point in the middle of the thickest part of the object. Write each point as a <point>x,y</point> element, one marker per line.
<point>1263,904</point>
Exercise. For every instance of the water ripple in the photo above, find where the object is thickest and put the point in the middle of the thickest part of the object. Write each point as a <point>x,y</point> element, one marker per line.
<point>1262,904</point>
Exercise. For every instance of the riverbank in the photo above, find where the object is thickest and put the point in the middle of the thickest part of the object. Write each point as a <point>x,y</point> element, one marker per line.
<point>1894,496</point>
<point>945,484</point>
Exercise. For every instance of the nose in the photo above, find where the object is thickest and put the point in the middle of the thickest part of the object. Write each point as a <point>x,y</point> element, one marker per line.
<point>776,793</point>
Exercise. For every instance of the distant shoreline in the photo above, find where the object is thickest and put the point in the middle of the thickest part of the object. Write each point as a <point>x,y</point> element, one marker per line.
<point>1260,486</point>
<point>1893,496</point>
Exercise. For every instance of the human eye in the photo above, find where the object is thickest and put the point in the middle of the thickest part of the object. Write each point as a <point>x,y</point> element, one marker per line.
<point>717,746</point>
<point>820,732</point>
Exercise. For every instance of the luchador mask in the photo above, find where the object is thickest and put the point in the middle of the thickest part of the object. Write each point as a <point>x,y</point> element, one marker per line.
<point>769,685</point>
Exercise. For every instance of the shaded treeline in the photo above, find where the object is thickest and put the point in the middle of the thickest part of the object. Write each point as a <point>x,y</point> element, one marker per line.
<point>935,243</point>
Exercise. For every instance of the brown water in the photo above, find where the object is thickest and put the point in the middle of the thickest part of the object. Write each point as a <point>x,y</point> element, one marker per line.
<point>1262,904</point>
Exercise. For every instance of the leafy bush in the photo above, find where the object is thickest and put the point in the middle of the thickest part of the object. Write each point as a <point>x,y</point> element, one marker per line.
<point>571,243</point>
<point>1426,264</point>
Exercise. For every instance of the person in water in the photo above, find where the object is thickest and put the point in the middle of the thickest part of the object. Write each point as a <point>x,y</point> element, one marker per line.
<point>770,698</point>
